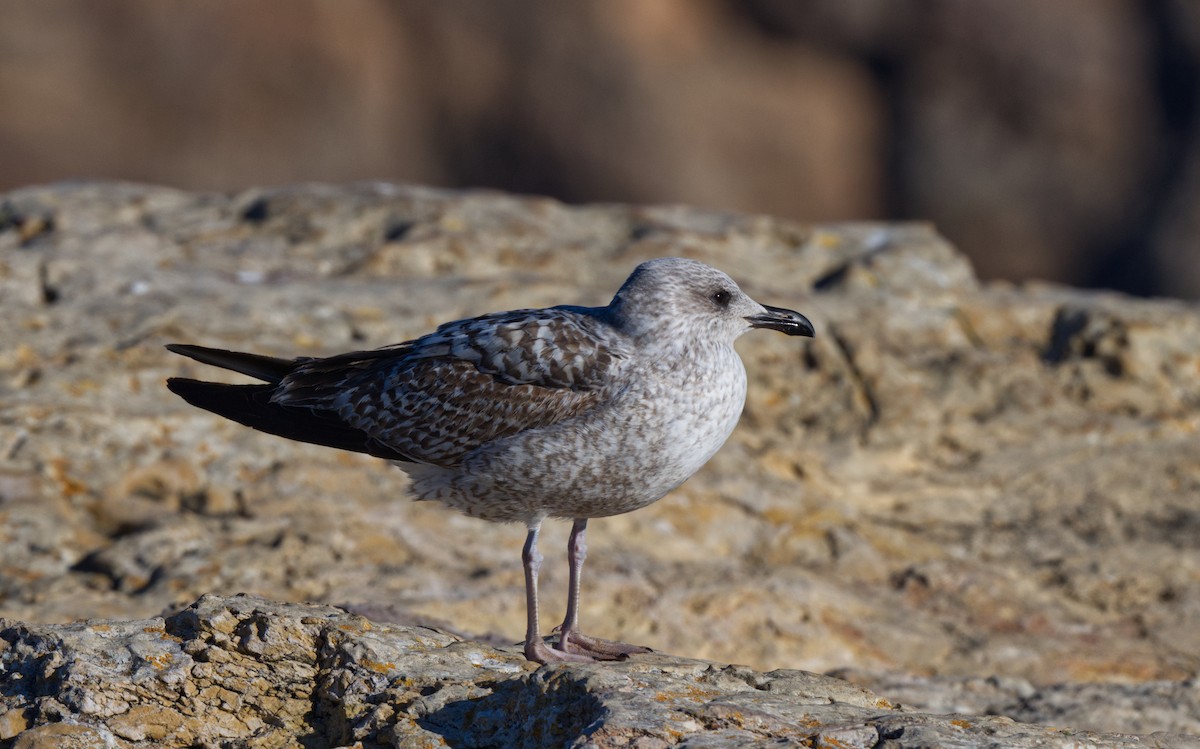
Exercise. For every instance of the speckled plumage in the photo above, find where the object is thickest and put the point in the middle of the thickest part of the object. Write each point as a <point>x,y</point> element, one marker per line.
<point>441,397</point>
<point>571,412</point>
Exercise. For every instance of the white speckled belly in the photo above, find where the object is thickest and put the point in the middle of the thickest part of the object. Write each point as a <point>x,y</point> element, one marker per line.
<point>654,433</point>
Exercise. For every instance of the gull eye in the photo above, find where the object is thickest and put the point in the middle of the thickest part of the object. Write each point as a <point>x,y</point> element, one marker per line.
<point>721,297</point>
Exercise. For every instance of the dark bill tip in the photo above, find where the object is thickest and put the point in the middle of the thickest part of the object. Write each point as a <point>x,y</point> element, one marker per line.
<point>783,320</point>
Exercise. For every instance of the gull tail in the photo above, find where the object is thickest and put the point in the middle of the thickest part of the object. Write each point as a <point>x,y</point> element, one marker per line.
<point>265,368</point>
<point>251,405</point>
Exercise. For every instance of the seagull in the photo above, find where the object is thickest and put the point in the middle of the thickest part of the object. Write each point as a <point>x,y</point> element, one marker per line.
<point>566,412</point>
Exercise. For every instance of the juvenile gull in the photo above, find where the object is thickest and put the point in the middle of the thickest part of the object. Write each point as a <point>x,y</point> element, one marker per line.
<point>566,412</point>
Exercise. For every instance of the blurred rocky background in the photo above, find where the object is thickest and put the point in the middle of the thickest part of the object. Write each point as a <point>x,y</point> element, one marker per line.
<point>1052,140</point>
<point>966,496</point>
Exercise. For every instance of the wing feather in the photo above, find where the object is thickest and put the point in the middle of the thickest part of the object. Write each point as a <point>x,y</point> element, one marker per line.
<point>440,397</point>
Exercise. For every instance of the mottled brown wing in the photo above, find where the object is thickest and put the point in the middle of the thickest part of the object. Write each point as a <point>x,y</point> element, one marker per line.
<point>442,396</point>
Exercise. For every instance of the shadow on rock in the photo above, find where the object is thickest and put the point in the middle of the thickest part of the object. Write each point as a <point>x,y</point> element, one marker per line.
<point>550,709</point>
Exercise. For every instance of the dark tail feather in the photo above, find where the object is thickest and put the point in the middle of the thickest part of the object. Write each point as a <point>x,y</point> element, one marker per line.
<point>265,368</point>
<point>251,405</point>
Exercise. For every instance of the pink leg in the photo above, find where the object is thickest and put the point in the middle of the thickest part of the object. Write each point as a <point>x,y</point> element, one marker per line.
<point>570,639</point>
<point>535,648</point>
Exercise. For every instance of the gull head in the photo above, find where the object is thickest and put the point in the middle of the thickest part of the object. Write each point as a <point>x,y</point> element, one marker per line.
<point>686,301</point>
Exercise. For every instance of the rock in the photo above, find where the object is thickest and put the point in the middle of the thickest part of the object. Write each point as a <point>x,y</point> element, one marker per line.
<point>249,671</point>
<point>1138,707</point>
<point>953,481</point>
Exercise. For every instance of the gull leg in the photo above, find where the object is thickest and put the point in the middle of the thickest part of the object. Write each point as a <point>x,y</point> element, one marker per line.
<point>535,648</point>
<point>570,639</point>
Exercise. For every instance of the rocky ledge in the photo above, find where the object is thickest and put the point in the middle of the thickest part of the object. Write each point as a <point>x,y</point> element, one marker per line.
<point>970,498</point>
<point>244,671</point>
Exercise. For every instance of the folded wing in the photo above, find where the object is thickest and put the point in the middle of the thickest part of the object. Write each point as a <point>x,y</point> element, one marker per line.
<point>432,400</point>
